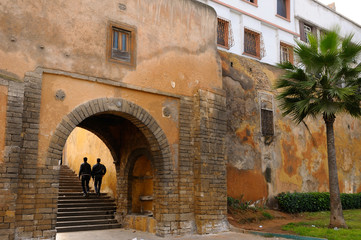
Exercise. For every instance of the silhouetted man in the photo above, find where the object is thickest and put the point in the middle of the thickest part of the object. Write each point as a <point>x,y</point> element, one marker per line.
<point>85,173</point>
<point>98,172</point>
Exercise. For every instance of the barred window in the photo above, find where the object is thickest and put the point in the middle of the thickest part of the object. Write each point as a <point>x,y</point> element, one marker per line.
<point>286,53</point>
<point>267,118</point>
<point>222,33</point>
<point>307,30</point>
<point>267,122</point>
<point>251,43</point>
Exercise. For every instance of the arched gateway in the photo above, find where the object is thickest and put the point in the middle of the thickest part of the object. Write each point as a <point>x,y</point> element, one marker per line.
<point>120,114</point>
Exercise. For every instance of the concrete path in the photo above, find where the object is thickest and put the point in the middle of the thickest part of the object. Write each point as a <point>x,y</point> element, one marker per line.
<point>124,234</point>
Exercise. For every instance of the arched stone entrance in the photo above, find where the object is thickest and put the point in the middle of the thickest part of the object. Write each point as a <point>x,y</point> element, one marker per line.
<point>91,115</point>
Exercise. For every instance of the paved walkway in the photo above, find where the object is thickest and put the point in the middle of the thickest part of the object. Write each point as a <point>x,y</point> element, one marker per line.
<point>123,234</point>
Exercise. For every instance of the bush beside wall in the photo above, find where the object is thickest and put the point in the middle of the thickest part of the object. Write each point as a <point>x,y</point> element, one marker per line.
<point>315,202</point>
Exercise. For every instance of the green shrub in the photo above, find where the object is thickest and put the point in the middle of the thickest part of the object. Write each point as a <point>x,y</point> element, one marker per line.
<point>315,202</point>
<point>237,203</point>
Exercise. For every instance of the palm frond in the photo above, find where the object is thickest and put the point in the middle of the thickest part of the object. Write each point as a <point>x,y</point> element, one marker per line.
<point>327,80</point>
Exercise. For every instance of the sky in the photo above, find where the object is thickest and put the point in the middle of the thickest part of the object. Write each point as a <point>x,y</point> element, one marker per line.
<point>349,8</point>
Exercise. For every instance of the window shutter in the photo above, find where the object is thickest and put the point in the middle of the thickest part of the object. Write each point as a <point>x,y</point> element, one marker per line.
<point>314,31</point>
<point>302,31</point>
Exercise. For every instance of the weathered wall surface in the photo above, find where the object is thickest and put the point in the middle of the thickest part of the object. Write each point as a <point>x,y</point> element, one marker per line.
<point>82,143</point>
<point>294,158</point>
<point>12,96</point>
<point>79,91</point>
<point>3,105</point>
<point>175,41</point>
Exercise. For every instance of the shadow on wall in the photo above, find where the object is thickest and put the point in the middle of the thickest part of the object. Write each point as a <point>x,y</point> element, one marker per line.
<point>82,143</point>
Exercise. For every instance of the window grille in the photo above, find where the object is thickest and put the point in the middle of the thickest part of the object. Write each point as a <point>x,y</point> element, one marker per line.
<point>222,32</point>
<point>307,30</point>
<point>252,43</point>
<point>267,118</point>
<point>267,122</point>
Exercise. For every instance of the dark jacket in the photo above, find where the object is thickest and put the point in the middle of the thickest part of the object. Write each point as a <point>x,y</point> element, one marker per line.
<point>85,169</point>
<point>99,170</point>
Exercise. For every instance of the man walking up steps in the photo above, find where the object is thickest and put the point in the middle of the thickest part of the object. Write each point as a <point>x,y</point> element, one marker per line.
<point>98,172</point>
<point>84,174</point>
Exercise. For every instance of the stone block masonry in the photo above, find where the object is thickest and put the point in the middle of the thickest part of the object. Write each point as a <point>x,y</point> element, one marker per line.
<point>209,163</point>
<point>9,165</point>
<point>36,204</point>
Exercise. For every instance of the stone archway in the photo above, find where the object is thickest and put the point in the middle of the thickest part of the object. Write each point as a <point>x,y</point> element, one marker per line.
<point>158,148</point>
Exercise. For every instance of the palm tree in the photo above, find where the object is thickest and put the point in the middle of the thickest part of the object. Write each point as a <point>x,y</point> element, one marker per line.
<point>325,81</point>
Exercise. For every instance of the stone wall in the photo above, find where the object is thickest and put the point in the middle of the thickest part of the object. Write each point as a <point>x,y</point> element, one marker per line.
<point>294,158</point>
<point>36,203</point>
<point>9,160</point>
<point>209,163</point>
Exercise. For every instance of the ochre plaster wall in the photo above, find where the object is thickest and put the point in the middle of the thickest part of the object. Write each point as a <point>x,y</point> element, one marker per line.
<point>296,156</point>
<point>142,185</point>
<point>3,105</point>
<point>79,91</point>
<point>82,143</point>
<point>175,52</point>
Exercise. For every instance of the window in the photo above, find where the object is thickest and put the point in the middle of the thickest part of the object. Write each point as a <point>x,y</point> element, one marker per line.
<point>286,53</point>
<point>122,41</point>
<point>267,122</point>
<point>266,106</point>
<point>253,2</point>
<point>120,44</point>
<point>251,43</point>
<point>306,29</point>
<point>283,8</point>
<point>222,33</point>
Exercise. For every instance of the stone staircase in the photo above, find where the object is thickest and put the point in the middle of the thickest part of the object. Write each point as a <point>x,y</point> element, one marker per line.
<point>77,213</point>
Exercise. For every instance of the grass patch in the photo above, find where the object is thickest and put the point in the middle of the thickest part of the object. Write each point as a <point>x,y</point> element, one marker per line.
<point>267,215</point>
<point>316,225</point>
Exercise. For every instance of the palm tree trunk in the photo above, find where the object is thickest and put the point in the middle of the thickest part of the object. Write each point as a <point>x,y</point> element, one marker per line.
<point>336,216</point>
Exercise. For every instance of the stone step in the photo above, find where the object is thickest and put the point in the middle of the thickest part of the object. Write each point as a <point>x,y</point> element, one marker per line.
<point>86,222</point>
<point>88,208</point>
<point>69,180</point>
<point>85,213</point>
<point>86,204</point>
<point>70,184</point>
<point>79,213</point>
<point>66,188</point>
<point>87,227</point>
<point>84,200</point>
<point>80,197</point>
<point>63,171</point>
<point>75,185</point>
<point>80,194</point>
<point>70,190</point>
<point>84,217</point>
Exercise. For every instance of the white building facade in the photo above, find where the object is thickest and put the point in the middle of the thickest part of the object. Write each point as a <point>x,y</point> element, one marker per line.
<point>266,30</point>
